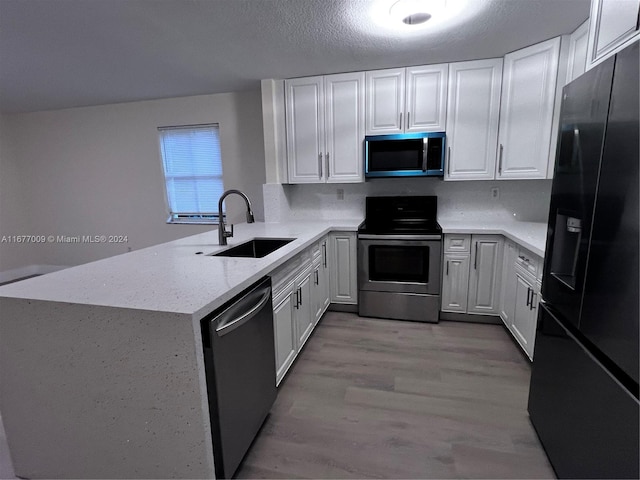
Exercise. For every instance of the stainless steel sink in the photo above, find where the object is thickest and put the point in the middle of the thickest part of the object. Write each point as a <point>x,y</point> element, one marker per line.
<point>256,248</point>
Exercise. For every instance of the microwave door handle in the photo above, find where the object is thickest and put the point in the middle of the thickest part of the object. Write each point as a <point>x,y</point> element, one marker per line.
<point>424,154</point>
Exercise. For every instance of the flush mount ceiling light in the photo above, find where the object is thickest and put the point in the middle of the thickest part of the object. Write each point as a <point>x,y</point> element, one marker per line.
<point>414,18</point>
<point>410,12</point>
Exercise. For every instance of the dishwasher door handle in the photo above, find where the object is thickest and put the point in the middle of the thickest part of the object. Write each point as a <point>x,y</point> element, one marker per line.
<point>230,324</point>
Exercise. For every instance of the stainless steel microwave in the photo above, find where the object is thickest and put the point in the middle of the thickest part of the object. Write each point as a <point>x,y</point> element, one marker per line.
<point>405,155</point>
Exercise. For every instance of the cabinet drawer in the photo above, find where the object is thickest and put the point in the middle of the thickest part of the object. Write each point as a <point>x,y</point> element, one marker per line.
<point>286,273</point>
<point>316,249</point>
<point>529,262</point>
<point>457,243</point>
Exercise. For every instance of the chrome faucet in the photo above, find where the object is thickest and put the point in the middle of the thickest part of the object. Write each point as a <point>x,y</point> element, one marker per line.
<point>222,232</point>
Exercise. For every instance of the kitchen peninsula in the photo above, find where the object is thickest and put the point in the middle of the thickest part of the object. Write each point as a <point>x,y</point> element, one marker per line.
<point>102,370</point>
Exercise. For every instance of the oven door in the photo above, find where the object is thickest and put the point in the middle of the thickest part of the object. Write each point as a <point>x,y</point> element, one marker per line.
<point>399,263</point>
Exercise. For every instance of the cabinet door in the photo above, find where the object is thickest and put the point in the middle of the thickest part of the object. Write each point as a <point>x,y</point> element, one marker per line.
<point>344,122</point>
<point>614,23</point>
<point>455,283</point>
<point>344,285</point>
<point>324,274</point>
<point>472,119</point>
<point>385,101</point>
<point>526,113</point>
<point>284,332</point>
<point>304,310</point>
<point>508,283</point>
<point>484,278</point>
<point>426,98</point>
<point>320,291</point>
<point>523,323</point>
<point>305,129</point>
<point>578,52</point>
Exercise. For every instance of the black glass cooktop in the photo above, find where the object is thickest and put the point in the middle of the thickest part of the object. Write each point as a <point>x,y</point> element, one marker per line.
<point>408,215</point>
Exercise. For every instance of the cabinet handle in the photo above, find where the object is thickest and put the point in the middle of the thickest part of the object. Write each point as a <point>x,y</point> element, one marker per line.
<point>408,120</point>
<point>475,260</point>
<point>324,254</point>
<point>447,268</point>
<point>297,305</point>
<point>300,290</point>
<point>317,277</point>
<point>528,295</point>
<point>400,120</point>
<point>328,168</point>
<point>533,295</point>
<point>448,161</point>
<point>320,163</point>
<point>500,160</point>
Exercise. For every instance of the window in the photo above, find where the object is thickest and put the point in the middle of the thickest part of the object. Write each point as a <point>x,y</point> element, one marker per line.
<point>192,171</point>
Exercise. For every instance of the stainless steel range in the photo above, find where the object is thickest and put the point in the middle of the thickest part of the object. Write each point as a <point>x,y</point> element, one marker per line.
<point>399,259</point>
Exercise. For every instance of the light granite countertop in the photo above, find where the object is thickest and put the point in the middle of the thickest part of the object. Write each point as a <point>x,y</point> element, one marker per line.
<point>170,277</point>
<point>530,235</point>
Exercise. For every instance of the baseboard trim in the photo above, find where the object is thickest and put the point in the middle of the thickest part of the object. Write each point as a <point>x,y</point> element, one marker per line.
<point>28,271</point>
<point>343,307</point>
<point>466,317</point>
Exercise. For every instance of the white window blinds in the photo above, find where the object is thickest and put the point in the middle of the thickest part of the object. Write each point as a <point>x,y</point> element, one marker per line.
<point>192,170</point>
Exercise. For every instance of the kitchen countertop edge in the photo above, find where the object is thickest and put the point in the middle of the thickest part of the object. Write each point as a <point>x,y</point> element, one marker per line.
<point>126,281</point>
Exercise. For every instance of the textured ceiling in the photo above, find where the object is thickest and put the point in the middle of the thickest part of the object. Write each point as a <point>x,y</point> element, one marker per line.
<point>65,53</point>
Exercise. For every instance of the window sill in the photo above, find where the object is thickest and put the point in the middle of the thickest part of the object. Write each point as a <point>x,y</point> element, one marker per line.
<point>192,222</point>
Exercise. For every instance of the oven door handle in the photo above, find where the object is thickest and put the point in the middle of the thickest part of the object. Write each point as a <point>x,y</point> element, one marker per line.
<point>399,237</point>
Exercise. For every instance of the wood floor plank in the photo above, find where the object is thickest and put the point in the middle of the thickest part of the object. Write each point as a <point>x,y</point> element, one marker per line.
<point>373,398</point>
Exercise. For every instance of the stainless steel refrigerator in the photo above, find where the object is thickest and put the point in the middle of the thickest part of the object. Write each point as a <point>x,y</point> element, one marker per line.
<point>583,398</point>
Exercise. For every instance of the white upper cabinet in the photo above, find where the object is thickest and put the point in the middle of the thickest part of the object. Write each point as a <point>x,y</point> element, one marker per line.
<point>344,121</point>
<point>409,99</point>
<point>473,111</point>
<point>305,128</point>
<point>527,110</point>
<point>613,25</point>
<point>426,98</point>
<point>578,52</point>
<point>385,101</point>
<point>325,128</point>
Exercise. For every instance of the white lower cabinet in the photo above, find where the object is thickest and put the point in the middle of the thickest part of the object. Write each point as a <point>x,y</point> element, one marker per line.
<point>343,258</point>
<point>491,275</point>
<point>520,295</point>
<point>284,330</point>
<point>455,284</point>
<point>304,315</point>
<point>508,286</point>
<point>300,297</point>
<point>523,323</point>
<point>472,269</point>
<point>320,280</point>
<point>484,274</point>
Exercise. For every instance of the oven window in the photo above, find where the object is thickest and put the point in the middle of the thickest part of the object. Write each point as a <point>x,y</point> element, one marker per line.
<point>399,263</point>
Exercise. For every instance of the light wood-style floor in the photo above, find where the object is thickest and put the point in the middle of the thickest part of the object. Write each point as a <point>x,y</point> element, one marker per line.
<point>372,398</point>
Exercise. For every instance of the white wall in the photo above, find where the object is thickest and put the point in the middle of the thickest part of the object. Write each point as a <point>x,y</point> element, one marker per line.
<point>525,200</point>
<point>97,170</point>
<point>14,217</point>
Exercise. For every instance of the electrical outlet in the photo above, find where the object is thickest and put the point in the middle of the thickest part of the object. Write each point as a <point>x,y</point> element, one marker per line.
<point>340,193</point>
<point>495,193</point>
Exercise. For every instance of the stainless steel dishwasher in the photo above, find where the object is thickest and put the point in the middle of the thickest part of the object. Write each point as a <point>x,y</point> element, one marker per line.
<point>239,358</point>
